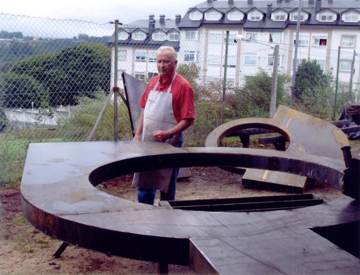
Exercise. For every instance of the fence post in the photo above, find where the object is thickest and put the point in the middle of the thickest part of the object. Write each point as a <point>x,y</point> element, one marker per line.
<point>337,82</point>
<point>352,75</point>
<point>274,81</point>
<point>295,61</point>
<point>225,63</point>
<point>116,87</point>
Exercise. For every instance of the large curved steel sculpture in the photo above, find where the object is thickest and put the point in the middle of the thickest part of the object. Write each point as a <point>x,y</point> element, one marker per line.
<point>302,132</point>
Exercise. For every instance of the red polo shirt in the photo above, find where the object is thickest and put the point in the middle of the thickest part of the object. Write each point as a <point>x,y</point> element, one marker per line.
<point>183,96</point>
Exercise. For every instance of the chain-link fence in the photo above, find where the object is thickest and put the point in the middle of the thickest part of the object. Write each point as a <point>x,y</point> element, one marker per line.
<point>54,86</point>
<point>56,77</point>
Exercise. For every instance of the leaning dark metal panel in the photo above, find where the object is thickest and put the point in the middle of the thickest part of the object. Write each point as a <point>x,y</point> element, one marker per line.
<point>133,90</point>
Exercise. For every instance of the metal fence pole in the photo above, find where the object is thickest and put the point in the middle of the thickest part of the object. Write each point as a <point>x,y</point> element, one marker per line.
<point>293,77</point>
<point>337,82</point>
<point>225,63</point>
<point>274,81</point>
<point>352,75</point>
<point>116,87</point>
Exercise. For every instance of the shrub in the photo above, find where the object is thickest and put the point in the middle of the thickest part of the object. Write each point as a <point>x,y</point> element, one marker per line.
<point>21,91</point>
<point>313,91</point>
<point>3,120</point>
<point>253,100</point>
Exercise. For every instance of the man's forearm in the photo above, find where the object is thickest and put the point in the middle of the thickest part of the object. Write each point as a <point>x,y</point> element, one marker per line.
<point>180,126</point>
<point>139,126</point>
<point>162,135</point>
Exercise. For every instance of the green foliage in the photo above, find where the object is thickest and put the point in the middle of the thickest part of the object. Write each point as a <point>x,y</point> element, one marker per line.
<point>254,98</point>
<point>21,91</point>
<point>74,72</point>
<point>84,116</point>
<point>10,35</point>
<point>313,90</point>
<point>191,73</point>
<point>12,157</point>
<point>3,120</point>
<point>208,117</point>
<point>26,46</point>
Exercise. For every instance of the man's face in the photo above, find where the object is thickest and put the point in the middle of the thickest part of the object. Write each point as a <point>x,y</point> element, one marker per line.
<point>166,63</point>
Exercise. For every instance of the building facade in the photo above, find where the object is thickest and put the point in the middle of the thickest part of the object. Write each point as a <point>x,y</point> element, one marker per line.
<point>201,38</point>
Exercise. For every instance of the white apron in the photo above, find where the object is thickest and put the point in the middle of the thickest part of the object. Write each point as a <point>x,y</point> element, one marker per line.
<point>158,115</point>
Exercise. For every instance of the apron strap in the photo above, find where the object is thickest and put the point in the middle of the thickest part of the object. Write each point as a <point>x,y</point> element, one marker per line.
<point>170,86</point>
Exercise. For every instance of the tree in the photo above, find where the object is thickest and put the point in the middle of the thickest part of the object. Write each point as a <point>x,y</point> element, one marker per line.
<point>313,91</point>
<point>191,73</point>
<point>254,98</point>
<point>74,72</point>
<point>3,120</point>
<point>21,91</point>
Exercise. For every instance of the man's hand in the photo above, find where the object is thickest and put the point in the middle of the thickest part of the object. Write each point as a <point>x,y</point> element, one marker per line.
<point>160,135</point>
<point>137,137</point>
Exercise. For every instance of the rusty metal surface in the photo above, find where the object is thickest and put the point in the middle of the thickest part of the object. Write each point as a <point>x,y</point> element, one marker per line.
<point>60,199</point>
<point>305,134</point>
<point>273,180</point>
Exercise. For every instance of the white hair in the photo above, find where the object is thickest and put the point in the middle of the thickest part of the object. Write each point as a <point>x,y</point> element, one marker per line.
<point>169,49</point>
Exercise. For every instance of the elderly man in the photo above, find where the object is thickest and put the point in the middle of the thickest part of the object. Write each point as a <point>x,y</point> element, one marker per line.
<point>167,110</point>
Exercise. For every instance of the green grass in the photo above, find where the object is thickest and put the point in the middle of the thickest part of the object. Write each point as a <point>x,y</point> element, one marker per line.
<point>12,156</point>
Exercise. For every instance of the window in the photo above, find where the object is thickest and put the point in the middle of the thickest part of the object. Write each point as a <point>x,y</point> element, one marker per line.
<point>275,37</point>
<point>351,17</point>
<point>140,56</point>
<point>151,74</point>
<point>303,16</point>
<point>173,36</point>
<point>122,55</point>
<point>319,40</point>
<point>326,16</point>
<point>303,40</point>
<point>191,35</point>
<point>232,38</point>
<point>190,56</point>
<point>345,65</point>
<point>195,15</point>
<point>250,36</point>
<point>348,41</point>
<point>270,60</point>
<point>152,56</point>
<point>158,36</point>
<point>235,15</point>
<point>231,61</point>
<point>140,76</point>
<point>250,59</point>
<point>213,15</point>
<point>215,38</point>
<point>279,16</point>
<point>213,59</point>
<point>138,35</point>
<point>123,35</point>
<point>255,16</point>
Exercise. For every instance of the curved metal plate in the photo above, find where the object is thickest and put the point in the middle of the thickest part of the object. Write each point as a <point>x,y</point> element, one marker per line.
<point>59,199</point>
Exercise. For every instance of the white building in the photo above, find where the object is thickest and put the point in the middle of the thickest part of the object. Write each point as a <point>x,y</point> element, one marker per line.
<point>138,42</point>
<point>325,25</point>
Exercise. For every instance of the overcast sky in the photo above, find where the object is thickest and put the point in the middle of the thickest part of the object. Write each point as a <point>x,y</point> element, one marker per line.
<point>100,11</point>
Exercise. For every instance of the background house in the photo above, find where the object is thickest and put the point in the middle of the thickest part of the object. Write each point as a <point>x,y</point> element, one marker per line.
<point>200,38</point>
